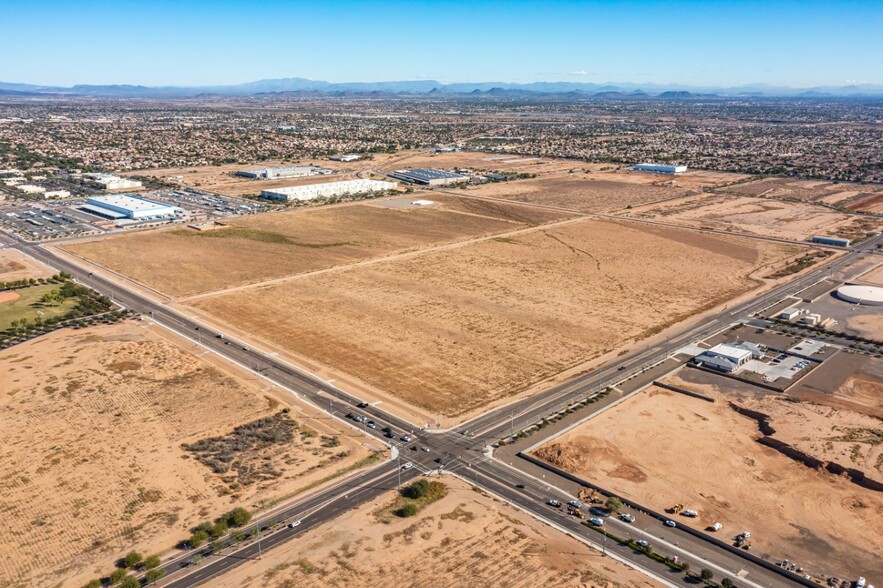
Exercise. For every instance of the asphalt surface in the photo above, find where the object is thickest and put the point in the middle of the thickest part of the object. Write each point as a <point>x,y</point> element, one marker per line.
<point>462,451</point>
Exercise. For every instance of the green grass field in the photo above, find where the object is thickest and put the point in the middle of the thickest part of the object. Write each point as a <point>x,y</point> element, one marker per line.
<point>30,307</point>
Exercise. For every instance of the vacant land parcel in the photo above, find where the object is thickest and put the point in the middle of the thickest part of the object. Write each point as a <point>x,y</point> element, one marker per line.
<point>94,424</point>
<point>423,328</point>
<point>263,247</point>
<point>661,448</point>
<point>768,218</point>
<point>464,539</point>
<point>15,265</point>
<point>859,197</point>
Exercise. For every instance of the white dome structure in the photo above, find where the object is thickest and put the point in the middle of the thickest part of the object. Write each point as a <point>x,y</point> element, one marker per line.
<point>865,295</point>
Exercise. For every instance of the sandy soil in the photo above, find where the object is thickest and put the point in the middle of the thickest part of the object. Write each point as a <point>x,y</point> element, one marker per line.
<point>853,196</point>
<point>538,303</point>
<point>9,296</point>
<point>464,539</point>
<point>15,265</point>
<point>847,380</point>
<point>661,448</point>
<point>867,325</point>
<point>93,423</point>
<point>261,247</point>
<point>875,276</point>
<point>585,193</point>
<point>786,220</point>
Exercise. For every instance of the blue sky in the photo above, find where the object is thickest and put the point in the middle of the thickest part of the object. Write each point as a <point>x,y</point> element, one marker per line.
<point>722,43</point>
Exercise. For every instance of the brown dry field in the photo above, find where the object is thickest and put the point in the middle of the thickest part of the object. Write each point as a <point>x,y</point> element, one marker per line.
<point>15,265</point>
<point>580,192</point>
<point>768,218</point>
<point>537,303</point>
<point>183,261</point>
<point>853,196</point>
<point>92,464</point>
<point>660,448</point>
<point>464,539</point>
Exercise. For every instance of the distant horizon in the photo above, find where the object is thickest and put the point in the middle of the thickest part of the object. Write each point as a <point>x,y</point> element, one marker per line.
<point>727,43</point>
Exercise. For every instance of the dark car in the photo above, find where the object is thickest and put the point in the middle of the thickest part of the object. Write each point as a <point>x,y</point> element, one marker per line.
<point>363,405</point>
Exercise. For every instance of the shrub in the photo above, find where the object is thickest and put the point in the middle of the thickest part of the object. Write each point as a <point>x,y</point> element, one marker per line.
<point>408,510</point>
<point>132,559</point>
<point>218,529</point>
<point>93,584</point>
<point>151,562</point>
<point>726,583</point>
<point>117,576</point>
<point>130,582</point>
<point>613,504</point>
<point>153,575</point>
<point>198,538</point>
<point>237,517</point>
<point>706,575</point>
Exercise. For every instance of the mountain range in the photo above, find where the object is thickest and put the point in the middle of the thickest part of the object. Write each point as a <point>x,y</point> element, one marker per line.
<point>622,90</point>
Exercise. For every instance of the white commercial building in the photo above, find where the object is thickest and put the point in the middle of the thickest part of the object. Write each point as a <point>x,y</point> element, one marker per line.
<point>31,189</point>
<point>428,176</point>
<point>346,157</point>
<point>311,191</point>
<point>56,194</point>
<point>661,168</point>
<point>112,183</point>
<point>728,357</point>
<point>125,206</point>
<point>272,173</point>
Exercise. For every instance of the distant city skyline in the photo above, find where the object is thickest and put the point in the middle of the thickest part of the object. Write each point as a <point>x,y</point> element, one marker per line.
<point>197,43</point>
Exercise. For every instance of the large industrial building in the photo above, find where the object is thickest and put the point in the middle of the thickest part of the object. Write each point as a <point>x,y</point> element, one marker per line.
<point>124,206</point>
<point>274,173</point>
<point>728,357</point>
<point>859,294</point>
<point>661,168</point>
<point>346,157</point>
<point>428,177</point>
<point>112,183</point>
<point>311,191</point>
<point>839,242</point>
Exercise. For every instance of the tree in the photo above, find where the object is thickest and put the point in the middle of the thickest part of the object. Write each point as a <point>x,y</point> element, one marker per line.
<point>726,583</point>
<point>130,582</point>
<point>686,567</point>
<point>614,504</point>
<point>706,575</point>
<point>132,559</point>
<point>218,529</point>
<point>198,538</point>
<point>151,562</point>
<point>237,517</point>
<point>93,584</point>
<point>117,575</point>
<point>153,575</point>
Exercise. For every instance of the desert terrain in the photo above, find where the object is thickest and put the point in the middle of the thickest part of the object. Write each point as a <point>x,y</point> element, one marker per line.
<point>94,463</point>
<point>15,265</point>
<point>858,197</point>
<point>874,276</point>
<point>660,448</point>
<point>252,249</point>
<point>850,381</point>
<point>539,303</point>
<point>464,539</point>
<point>767,218</point>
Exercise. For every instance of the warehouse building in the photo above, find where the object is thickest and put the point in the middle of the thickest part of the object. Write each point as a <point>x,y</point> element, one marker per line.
<point>276,173</point>
<point>728,357</point>
<point>428,177</point>
<point>31,188</point>
<point>661,168</point>
<point>56,194</point>
<point>831,241</point>
<point>112,183</point>
<point>126,206</point>
<point>331,189</point>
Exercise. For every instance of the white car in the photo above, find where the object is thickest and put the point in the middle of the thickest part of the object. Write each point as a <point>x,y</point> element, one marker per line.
<point>670,523</point>
<point>596,521</point>
<point>294,524</point>
<point>643,543</point>
<point>407,466</point>
<point>627,518</point>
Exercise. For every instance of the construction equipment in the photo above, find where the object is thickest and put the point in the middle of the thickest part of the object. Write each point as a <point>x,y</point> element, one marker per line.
<point>675,509</point>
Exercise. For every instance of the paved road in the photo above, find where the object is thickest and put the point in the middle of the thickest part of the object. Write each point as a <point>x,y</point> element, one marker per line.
<point>455,450</point>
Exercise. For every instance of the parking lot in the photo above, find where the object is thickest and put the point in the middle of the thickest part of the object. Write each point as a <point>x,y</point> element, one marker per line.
<point>208,204</point>
<point>39,223</point>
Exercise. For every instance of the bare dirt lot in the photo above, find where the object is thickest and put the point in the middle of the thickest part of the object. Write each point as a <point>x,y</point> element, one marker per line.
<point>580,192</point>
<point>660,448</point>
<point>15,265</point>
<point>464,539</point>
<point>875,276</point>
<point>862,197</point>
<point>848,380</point>
<point>261,247</point>
<point>768,218</point>
<point>93,463</point>
<point>537,303</point>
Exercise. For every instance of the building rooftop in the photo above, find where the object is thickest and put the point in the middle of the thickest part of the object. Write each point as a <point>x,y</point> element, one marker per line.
<point>128,202</point>
<point>427,174</point>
